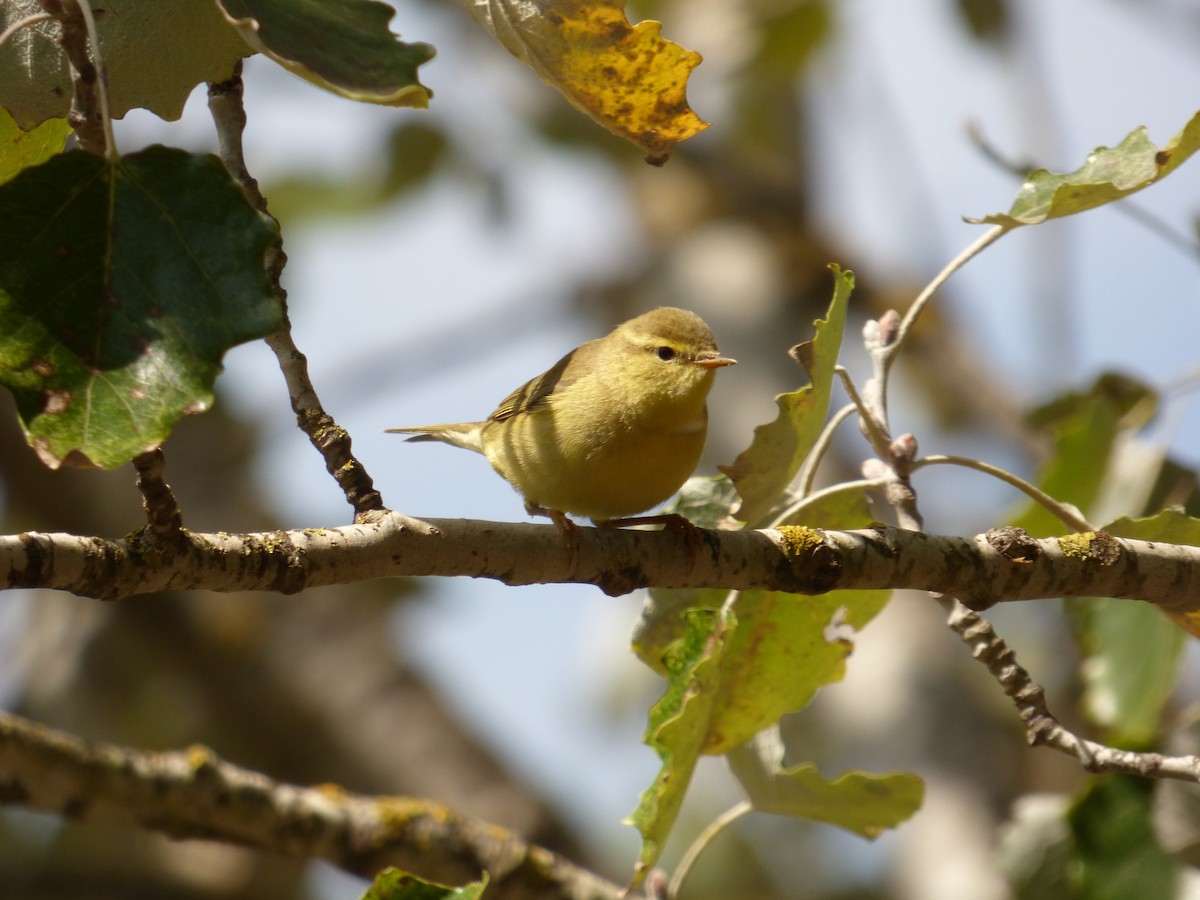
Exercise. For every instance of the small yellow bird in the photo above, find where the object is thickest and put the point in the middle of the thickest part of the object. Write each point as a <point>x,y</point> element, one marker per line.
<point>611,430</point>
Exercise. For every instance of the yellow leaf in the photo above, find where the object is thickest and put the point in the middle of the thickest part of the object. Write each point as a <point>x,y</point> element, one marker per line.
<point>626,77</point>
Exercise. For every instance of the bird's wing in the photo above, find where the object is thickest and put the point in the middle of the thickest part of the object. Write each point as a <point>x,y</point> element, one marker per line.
<point>537,391</point>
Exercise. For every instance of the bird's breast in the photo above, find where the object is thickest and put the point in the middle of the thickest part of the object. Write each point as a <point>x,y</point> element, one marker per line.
<point>601,467</point>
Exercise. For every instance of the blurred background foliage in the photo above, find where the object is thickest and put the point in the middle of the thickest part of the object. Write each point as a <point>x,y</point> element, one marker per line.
<point>420,273</point>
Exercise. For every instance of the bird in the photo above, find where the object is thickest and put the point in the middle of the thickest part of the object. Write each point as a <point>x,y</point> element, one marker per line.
<point>612,429</point>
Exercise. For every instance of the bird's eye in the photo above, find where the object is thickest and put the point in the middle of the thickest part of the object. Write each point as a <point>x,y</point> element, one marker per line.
<point>665,353</point>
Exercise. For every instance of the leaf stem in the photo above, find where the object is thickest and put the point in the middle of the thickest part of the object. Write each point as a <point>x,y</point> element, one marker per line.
<point>1064,512</point>
<point>845,487</point>
<point>12,29</point>
<point>976,247</point>
<point>706,837</point>
<point>808,472</point>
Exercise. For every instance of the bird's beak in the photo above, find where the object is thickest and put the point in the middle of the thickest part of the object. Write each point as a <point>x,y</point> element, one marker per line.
<point>715,362</point>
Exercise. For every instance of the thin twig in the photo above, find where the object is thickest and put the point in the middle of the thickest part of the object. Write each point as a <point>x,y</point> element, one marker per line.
<point>791,515</point>
<point>162,509</point>
<point>1041,727</point>
<point>808,472</point>
<point>976,247</point>
<point>706,837</point>
<point>331,440</point>
<point>229,115</point>
<point>110,141</point>
<point>1064,512</point>
<point>86,117</point>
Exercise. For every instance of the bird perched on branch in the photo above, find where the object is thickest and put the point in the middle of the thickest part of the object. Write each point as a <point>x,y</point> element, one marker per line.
<point>611,430</point>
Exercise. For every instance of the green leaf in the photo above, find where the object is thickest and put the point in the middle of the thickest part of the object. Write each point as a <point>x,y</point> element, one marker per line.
<point>393,884</point>
<point>857,801</point>
<point>1117,854</point>
<point>664,620</point>
<point>155,53</point>
<point>705,500</point>
<point>677,729</point>
<point>733,674</point>
<point>1108,175</point>
<point>121,287</point>
<point>1084,428</point>
<point>763,472</point>
<point>413,152</point>
<point>343,46</point>
<point>1179,528</point>
<point>790,34</point>
<point>626,77</point>
<point>1037,852</point>
<point>1133,652</point>
<point>22,149</point>
<point>784,649</point>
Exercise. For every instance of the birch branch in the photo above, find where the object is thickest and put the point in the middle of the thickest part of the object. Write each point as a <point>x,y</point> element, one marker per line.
<point>1002,565</point>
<point>193,794</point>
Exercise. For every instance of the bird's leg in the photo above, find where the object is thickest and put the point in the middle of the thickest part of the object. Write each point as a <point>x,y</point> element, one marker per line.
<point>565,527</point>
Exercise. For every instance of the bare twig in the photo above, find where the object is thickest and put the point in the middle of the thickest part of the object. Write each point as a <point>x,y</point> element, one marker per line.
<point>794,513</point>
<point>1041,727</point>
<point>162,509</point>
<point>229,116</point>
<point>89,115</point>
<point>913,312</point>
<point>193,794</point>
<point>331,440</point>
<point>714,828</point>
<point>812,462</point>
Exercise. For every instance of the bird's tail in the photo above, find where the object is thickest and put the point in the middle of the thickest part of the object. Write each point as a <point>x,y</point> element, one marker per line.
<point>461,434</point>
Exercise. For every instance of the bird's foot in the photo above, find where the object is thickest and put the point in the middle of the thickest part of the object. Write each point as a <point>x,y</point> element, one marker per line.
<point>567,529</point>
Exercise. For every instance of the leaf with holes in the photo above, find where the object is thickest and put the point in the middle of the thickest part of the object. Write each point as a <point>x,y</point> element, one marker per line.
<point>122,284</point>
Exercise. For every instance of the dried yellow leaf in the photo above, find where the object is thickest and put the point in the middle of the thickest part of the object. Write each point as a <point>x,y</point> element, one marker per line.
<point>626,77</point>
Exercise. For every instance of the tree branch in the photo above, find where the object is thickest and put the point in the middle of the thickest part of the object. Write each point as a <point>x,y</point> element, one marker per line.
<point>193,794</point>
<point>1041,727</point>
<point>1002,565</point>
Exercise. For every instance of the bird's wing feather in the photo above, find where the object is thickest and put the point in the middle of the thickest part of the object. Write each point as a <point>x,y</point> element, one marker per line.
<point>537,391</point>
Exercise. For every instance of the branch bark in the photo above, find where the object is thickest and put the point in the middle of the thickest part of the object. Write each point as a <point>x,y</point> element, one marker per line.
<point>193,794</point>
<point>1002,565</point>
